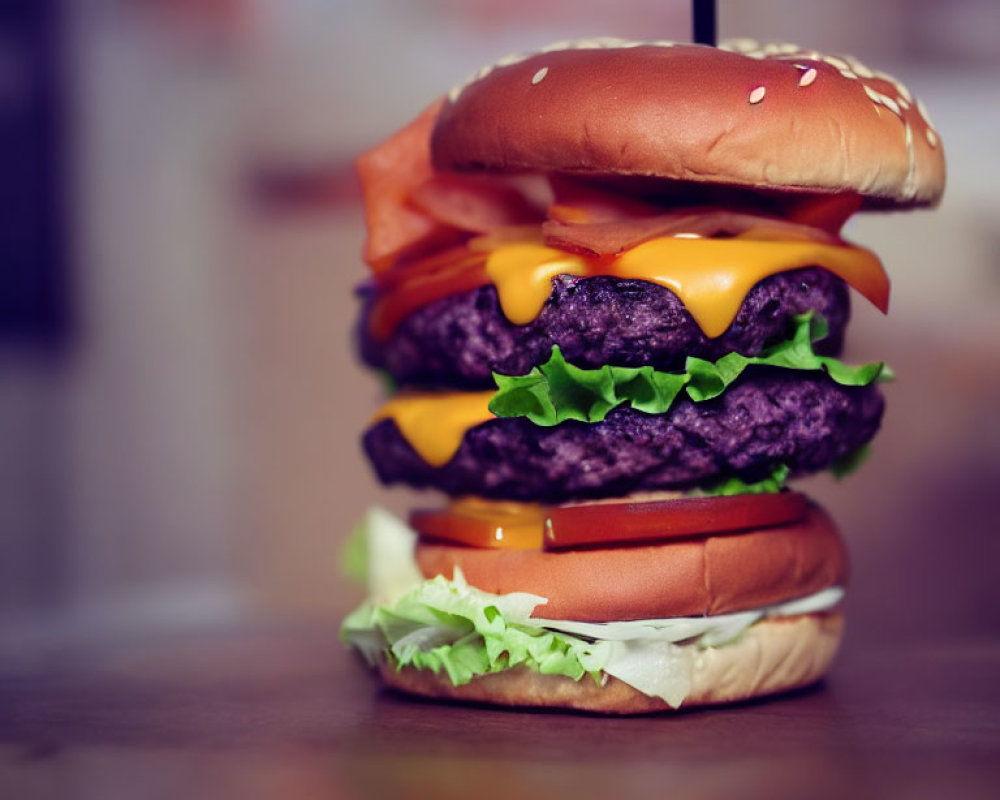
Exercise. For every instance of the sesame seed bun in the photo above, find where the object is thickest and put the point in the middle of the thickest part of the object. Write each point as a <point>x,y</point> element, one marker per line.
<point>711,575</point>
<point>773,655</point>
<point>769,118</point>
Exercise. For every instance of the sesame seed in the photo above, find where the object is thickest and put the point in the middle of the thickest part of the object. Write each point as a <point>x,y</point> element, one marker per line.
<point>885,76</point>
<point>756,95</point>
<point>687,236</point>
<point>860,68</point>
<point>801,66</point>
<point>539,76</point>
<point>739,45</point>
<point>807,78</point>
<point>513,58</point>
<point>849,74</point>
<point>874,96</point>
<point>923,112</point>
<point>909,187</point>
<point>839,63</point>
<point>903,104</point>
<point>565,44</point>
<point>889,103</point>
<point>932,138</point>
<point>498,535</point>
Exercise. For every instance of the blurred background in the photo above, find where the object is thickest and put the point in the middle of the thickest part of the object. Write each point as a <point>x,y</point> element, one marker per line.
<point>180,405</point>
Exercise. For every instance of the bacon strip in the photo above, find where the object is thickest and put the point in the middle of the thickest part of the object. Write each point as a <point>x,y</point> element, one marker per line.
<point>388,174</point>
<point>478,204</point>
<point>578,202</point>
<point>611,238</point>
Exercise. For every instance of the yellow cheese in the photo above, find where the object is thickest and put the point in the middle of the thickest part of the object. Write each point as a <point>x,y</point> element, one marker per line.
<point>523,276</point>
<point>710,276</point>
<point>434,423</point>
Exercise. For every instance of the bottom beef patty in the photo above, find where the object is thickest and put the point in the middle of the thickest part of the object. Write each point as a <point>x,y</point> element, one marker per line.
<point>768,418</point>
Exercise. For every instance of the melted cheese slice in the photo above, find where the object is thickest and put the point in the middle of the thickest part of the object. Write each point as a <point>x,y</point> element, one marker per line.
<point>710,276</point>
<point>435,423</point>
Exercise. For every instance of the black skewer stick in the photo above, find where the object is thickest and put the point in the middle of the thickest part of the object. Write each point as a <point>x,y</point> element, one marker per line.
<point>703,21</point>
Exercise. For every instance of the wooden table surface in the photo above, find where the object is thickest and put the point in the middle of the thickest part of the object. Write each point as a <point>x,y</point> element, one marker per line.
<point>285,712</point>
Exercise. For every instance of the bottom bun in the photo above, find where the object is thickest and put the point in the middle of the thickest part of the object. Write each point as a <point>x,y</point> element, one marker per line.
<point>773,655</point>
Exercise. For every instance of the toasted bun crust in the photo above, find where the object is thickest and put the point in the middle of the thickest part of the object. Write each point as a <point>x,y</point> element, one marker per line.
<point>774,655</point>
<point>714,575</point>
<point>771,117</point>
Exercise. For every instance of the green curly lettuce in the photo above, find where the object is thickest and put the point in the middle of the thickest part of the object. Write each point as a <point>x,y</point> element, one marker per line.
<point>557,391</point>
<point>849,464</point>
<point>447,625</point>
<point>772,484</point>
<point>451,627</point>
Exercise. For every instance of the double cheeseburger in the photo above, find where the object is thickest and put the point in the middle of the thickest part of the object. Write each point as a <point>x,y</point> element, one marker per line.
<point>609,287</point>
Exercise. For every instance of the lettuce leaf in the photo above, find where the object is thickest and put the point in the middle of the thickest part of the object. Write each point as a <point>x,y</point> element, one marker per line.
<point>850,463</point>
<point>772,484</point>
<point>448,625</point>
<point>354,556</point>
<point>557,391</point>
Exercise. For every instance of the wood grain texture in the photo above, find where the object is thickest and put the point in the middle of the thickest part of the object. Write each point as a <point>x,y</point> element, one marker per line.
<point>285,712</point>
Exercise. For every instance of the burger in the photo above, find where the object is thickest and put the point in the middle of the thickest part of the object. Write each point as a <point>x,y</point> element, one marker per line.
<point>609,290</point>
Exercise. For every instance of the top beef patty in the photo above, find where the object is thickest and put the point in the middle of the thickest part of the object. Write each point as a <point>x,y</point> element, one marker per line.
<point>461,340</point>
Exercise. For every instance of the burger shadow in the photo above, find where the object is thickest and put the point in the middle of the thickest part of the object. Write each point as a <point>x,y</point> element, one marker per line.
<point>391,694</point>
<point>773,745</point>
<point>797,723</point>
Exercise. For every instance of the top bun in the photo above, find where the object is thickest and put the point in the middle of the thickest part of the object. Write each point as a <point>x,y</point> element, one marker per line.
<point>762,117</point>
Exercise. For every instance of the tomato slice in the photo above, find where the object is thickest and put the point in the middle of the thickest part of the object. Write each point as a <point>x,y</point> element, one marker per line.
<point>483,524</point>
<point>621,523</point>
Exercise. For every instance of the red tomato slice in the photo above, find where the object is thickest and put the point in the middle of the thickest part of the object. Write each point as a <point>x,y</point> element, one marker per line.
<point>527,527</point>
<point>485,525</point>
<point>621,523</point>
